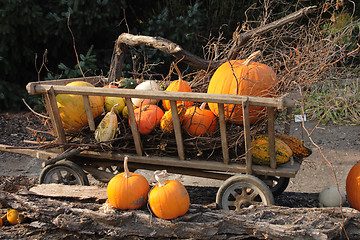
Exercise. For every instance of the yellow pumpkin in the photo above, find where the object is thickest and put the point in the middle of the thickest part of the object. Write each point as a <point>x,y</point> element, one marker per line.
<point>242,77</point>
<point>166,122</point>
<point>72,108</point>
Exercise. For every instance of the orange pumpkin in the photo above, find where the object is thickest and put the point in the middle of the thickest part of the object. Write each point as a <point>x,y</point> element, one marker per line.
<point>109,86</point>
<point>128,190</point>
<point>242,77</point>
<point>198,121</point>
<point>168,199</point>
<point>147,118</point>
<point>178,86</point>
<point>353,186</point>
<point>166,122</point>
<point>72,108</point>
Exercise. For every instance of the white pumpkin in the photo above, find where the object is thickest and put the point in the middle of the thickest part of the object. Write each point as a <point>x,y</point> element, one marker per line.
<point>330,197</point>
<point>146,85</point>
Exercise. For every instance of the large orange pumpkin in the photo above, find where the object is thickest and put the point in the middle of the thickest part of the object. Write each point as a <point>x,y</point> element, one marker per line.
<point>353,186</point>
<point>147,118</point>
<point>242,77</point>
<point>168,199</point>
<point>72,108</point>
<point>178,86</point>
<point>128,190</point>
<point>198,121</point>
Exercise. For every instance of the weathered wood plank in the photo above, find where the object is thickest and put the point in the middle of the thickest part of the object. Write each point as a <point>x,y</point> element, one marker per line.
<point>223,135</point>
<point>247,136</point>
<point>54,113</point>
<point>134,128</point>
<point>271,133</point>
<point>177,130</point>
<point>89,114</point>
<point>278,102</point>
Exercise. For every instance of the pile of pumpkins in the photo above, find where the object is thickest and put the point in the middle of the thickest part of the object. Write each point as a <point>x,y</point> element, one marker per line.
<point>236,77</point>
<point>167,199</point>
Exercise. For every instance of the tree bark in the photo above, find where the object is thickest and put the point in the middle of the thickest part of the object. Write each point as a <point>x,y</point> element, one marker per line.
<point>200,222</point>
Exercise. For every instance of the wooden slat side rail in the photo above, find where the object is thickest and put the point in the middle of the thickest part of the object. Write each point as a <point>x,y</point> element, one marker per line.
<point>279,102</point>
<point>134,129</point>
<point>223,135</point>
<point>247,136</point>
<point>271,133</point>
<point>89,114</point>
<point>54,113</point>
<point>92,79</point>
<point>177,130</point>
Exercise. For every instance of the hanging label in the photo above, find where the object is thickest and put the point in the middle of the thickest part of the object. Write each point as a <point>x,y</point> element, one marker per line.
<point>300,118</point>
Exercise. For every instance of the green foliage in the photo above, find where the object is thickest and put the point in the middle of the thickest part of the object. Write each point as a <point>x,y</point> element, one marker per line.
<point>87,64</point>
<point>344,27</point>
<point>334,100</point>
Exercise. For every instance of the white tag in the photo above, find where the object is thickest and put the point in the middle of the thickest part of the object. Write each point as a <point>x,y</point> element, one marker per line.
<point>300,118</point>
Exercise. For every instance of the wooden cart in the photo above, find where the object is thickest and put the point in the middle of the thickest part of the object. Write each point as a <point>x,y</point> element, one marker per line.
<point>245,183</point>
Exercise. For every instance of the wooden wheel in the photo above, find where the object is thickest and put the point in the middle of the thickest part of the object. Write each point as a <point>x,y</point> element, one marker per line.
<point>242,191</point>
<point>64,172</point>
<point>276,184</point>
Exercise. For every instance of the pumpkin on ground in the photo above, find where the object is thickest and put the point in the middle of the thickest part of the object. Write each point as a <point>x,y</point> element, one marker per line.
<point>149,85</point>
<point>166,123</point>
<point>128,190</point>
<point>198,121</point>
<point>168,199</point>
<point>242,77</point>
<point>296,145</point>
<point>178,86</point>
<point>147,118</point>
<point>260,151</point>
<point>12,216</point>
<point>72,108</point>
<point>106,129</point>
<point>353,186</point>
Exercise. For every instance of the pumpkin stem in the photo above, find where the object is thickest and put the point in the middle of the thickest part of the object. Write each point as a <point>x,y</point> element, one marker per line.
<point>157,175</point>
<point>251,58</point>
<point>126,169</point>
<point>202,106</point>
<point>113,107</point>
<point>178,72</point>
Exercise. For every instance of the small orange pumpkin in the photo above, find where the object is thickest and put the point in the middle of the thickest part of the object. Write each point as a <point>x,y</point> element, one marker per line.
<point>147,118</point>
<point>242,77</point>
<point>168,199</point>
<point>198,121</point>
<point>353,186</point>
<point>12,216</point>
<point>128,190</point>
<point>178,86</point>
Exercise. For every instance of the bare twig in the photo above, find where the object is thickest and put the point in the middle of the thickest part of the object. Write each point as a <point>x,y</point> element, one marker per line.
<point>38,114</point>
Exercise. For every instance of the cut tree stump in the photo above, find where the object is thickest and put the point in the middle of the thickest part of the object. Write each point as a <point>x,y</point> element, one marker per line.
<point>200,222</point>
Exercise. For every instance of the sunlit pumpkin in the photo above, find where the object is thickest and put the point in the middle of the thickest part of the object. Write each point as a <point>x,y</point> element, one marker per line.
<point>198,121</point>
<point>353,186</point>
<point>168,199</point>
<point>12,216</point>
<point>166,122</point>
<point>178,86</point>
<point>242,77</point>
<point>72,108</point>
<point>147,118</point>
<point>128,190</point>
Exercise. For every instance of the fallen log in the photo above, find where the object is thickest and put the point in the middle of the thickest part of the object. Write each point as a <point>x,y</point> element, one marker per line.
<point>201,222</point>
